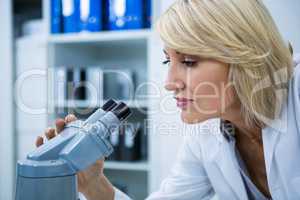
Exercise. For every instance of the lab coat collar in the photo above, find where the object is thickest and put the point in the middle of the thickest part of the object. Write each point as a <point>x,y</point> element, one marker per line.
<point>227,163</point>
<point>271,134</point>
<point>224,159</point>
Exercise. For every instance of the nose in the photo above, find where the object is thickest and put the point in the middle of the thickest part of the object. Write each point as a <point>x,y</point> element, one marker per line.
<point>174,86</point>
<point>173,82</point>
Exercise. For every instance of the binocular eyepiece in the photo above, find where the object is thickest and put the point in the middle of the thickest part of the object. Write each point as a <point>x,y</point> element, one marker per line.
<point>121,110</point>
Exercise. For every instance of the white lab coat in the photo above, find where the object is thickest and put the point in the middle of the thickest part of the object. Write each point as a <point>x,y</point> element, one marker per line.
<point>206,166</point>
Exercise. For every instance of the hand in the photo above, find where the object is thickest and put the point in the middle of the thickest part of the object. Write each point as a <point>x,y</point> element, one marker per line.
<point>89,180</point>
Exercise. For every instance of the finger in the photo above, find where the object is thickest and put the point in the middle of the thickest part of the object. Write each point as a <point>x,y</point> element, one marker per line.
<point>100,165</point>
<point>100,161</point>
<point>50,133</point>
<point>60,124</point>
<point>39,141</point>
<point>70,118</point>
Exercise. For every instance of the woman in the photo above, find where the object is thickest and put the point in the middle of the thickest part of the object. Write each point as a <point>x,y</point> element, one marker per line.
<point>226,61</point>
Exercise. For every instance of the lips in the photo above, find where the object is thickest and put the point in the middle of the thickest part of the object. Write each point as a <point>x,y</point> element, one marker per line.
<point>183,102</point>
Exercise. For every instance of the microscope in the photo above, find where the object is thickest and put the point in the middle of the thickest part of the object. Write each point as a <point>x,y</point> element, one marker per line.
<point>49,172</point>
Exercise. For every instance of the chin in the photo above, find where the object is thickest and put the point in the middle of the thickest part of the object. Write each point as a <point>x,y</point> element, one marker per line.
<point>193,118</point>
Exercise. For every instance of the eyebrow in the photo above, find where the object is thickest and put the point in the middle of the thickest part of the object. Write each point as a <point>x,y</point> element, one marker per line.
<point>165,52</point>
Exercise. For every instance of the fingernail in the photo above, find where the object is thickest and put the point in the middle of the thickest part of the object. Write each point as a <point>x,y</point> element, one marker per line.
<point>70,117</point>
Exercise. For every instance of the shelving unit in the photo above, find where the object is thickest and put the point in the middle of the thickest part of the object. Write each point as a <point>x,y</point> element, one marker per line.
<point>114,50</point>
<point>128,49</point>
<point>130,36</point>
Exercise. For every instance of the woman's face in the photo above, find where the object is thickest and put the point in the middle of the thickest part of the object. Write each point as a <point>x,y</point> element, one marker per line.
<point>200,86</point>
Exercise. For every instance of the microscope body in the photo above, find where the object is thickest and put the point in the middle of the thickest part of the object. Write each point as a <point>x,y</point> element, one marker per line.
<point>49,172</point>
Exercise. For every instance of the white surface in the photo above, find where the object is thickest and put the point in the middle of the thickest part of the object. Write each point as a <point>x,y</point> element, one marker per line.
<point>286,15</point>
<point>100,37</point>
<point>7,154</point>
<point>31,92</point>
<point>26,141</point>
<point>33,27</point>
<point>30,53</point>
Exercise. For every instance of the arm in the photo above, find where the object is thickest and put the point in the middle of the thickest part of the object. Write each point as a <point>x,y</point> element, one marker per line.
<point>188,179</point>
<point>100,189</point>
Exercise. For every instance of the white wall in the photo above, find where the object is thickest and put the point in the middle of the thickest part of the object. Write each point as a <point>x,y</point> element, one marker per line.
<point>286,14</point>
<point>7,154</point>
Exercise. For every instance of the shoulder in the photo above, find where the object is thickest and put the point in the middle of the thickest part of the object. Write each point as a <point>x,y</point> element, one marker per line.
<point>295,81</point>
<point>201,138</point>
<point>296,60</point>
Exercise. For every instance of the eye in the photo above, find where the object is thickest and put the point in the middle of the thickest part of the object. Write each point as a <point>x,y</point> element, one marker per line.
<point>166,62</point>
<point>189,63</point>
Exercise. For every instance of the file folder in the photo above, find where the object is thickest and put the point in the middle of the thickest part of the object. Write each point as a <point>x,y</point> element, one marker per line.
<point>91,15</point>
<point>125,14</point>
<point>70,10</point>
<point>56,16</point>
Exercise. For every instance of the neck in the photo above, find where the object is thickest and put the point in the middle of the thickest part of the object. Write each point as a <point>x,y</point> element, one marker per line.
<point>242,131</point>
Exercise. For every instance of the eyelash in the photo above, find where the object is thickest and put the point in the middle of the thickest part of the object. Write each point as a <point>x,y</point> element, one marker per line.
<point>166,62</point>
<point>187,63</point>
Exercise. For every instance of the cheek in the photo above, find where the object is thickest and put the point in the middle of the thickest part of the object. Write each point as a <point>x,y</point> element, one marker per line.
<point>207,105</point>
<point>210,102</point>
<point>207,97</point>
<point>208,88</point>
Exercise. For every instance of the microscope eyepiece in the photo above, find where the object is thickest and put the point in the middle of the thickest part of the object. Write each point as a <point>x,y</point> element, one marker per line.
<point>109,105</point>
<point>122,111</point>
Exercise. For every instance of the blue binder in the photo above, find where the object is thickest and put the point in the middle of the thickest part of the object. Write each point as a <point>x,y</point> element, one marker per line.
<point>70,10</point>
<point>56,16</point>
<point>148,13</point>
<point>91,15</point>
<point>125,14</point>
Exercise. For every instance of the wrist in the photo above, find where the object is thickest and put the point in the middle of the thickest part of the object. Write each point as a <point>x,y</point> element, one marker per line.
<point>99,189</point>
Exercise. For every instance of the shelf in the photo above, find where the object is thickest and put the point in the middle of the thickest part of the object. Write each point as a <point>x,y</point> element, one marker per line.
<point>87,104</point>
<point>125,36</point>
<point>129,166</point>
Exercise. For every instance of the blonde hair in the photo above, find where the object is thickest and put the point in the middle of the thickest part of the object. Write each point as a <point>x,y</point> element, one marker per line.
<point>241,33</point>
